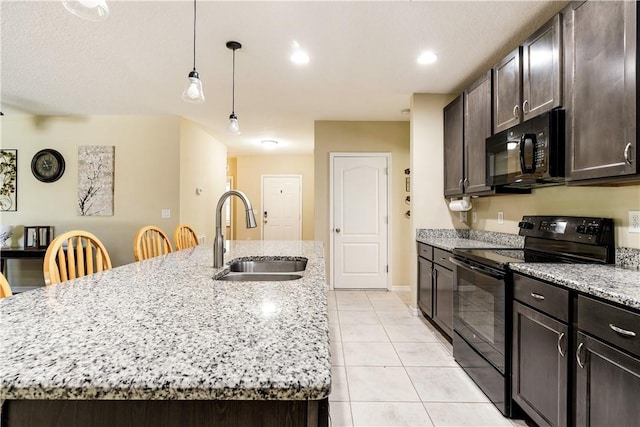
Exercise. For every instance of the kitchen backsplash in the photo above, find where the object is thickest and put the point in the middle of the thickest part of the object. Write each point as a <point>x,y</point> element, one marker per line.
<point>625,257</point>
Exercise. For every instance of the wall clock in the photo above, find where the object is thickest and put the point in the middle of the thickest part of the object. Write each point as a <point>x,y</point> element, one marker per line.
<point>47,165</point>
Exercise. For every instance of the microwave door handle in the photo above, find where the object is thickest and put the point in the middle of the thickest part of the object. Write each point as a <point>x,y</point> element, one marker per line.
<point>523,145</point>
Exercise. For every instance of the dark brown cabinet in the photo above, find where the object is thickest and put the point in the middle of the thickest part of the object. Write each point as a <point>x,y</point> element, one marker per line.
<point>443,290</point>
<point>528,81</point>
<point>540,366</point>
<point>477,128</point>
<point>454,147</point>
<point>467,123</point>
<point>425,282</point>
<point>600,42</point>
<point>435,287</point>
<point>607,364</point>
<point>541,351</point>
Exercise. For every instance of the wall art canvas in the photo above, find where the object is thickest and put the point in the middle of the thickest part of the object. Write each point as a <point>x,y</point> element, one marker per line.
<point>95,180</point>
<point>8,180</point>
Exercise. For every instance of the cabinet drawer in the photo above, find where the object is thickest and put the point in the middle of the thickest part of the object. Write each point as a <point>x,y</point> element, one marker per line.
<point>609,323</point>
<point>425,251</point>
<point>547,298</point>
<point>442,257</point>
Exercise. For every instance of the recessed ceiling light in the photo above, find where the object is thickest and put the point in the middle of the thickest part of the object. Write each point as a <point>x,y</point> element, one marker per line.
<point>427,58</point>
<point>269,144</point>
<point>299,56</point>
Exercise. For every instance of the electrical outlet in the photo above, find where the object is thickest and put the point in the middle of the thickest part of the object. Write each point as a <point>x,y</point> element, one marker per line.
<point>634,221</point>
<point>463,216</point>
<point>202,239</point>
<point>165,213</point>
<point>500,217</point>
<point>474,217</point>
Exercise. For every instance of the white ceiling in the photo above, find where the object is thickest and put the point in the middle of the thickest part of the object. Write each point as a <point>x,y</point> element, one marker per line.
<point>363,60</point>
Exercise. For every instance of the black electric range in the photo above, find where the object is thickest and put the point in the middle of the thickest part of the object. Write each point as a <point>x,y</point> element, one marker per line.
<point>482,312</point>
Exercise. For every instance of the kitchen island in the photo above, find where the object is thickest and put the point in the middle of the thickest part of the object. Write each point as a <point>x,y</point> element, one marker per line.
<point>161,343</point>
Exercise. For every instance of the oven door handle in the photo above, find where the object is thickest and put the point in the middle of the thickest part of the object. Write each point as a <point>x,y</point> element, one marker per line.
<point>475,269</point>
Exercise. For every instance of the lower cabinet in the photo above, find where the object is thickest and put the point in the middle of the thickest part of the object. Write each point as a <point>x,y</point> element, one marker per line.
<point>540,366</point>
<point>607,365</point>
<point>425,286</point>
<point>443,290</point>
<point>435,287</point>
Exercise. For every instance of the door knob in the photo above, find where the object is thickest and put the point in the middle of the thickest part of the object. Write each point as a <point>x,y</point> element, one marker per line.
<point>337,230</point>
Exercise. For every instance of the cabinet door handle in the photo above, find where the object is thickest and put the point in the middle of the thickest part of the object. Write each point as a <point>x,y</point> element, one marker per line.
<point>578,355</point>
<point>537,296</point>
<point>465,183</point>
<point>627,155</point>
<point>525,106</point>
<point>623,332</point>
<point>562,353</point>
<point>460,184</point>
<point>516,111</point>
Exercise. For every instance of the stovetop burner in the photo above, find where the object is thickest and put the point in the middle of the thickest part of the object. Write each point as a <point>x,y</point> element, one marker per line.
<point>552,239</point>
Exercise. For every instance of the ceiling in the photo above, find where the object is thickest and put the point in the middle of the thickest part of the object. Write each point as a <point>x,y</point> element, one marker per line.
<point>363,60</point>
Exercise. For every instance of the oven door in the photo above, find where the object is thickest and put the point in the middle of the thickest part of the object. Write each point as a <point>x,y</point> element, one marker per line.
<point>479,310</point>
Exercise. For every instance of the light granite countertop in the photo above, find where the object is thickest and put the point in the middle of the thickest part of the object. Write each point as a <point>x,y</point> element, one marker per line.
<point>614,283</point>
<point>165,329</point>
<point>609,282</point>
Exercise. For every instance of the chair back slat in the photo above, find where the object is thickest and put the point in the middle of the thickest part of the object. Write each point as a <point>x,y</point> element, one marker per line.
<point>83,251</point>
<point>5,289</point>
<point>185,237</point>
<point>149,242</point>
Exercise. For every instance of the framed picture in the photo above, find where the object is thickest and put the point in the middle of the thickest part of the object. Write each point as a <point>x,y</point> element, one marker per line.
<point>8,180</point>
<point>407,184</point>
<point>95,180</point>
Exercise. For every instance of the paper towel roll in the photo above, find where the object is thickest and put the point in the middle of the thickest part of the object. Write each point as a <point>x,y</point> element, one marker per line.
<point>460,205</point>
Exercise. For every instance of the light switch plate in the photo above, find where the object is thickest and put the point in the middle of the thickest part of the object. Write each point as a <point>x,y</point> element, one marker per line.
<point>165,213</point>
<point>500,217</point>
<point>634,221</point>
<point>463,216</point>
<point>474,217</point>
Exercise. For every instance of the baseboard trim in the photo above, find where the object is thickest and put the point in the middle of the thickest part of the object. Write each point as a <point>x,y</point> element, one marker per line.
<point>398,288</point>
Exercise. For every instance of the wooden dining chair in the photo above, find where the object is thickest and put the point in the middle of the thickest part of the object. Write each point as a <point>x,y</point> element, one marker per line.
<point>74,254</point>
<point>184,237</point>
<point>5,289</point>
<point>150,241</point>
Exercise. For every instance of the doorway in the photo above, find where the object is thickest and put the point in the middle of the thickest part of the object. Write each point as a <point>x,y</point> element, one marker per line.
<point>281,207</point>
<point>359,220</point>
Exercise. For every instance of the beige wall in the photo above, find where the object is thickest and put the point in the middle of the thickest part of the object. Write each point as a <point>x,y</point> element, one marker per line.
<point>608,202</point>
<point>202,165</point>
<point>147,178</point>
<point>249,171</point>
<point>386,137</point>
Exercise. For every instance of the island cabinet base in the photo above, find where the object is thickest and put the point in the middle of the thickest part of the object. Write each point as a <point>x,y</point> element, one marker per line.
<point>165,413</point>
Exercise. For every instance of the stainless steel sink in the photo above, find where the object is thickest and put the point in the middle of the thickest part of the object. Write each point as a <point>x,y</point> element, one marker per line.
<point>259,277</point>
<point>268,266</point>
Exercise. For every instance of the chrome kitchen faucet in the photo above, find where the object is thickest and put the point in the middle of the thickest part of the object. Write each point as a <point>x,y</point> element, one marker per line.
<point>218,242</point>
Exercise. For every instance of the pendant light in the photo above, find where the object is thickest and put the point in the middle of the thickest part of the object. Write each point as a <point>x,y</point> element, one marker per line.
<point>193,89</point>
<point>234,127</point>
<point>92,10</point>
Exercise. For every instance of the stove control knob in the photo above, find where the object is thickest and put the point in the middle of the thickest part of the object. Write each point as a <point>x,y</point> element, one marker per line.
<point>581,229</point>
<point>526,225</point>
<point>592,230</point>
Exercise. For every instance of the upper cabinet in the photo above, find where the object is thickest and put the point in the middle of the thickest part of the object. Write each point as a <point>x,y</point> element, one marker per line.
<point>600,41</point>
<point>454,147</point>
<point>467,123</point>
<point>528,81</point>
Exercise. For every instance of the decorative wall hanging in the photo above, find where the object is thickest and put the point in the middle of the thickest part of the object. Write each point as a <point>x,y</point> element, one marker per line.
<point>8,180</point>
<point>95,180</point>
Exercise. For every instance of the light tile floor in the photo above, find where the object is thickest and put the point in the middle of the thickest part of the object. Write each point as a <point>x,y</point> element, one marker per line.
<point>394,369</point>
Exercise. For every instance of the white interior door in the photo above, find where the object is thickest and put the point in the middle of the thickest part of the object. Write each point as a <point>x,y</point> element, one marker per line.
<point>360,221</point>
<point>281,207</point>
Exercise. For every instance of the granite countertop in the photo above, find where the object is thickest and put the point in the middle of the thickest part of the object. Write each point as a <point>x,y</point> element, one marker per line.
<point>610,282</point>
<point>449,239</point>
<point>165,329</point>
<point>451,243</point>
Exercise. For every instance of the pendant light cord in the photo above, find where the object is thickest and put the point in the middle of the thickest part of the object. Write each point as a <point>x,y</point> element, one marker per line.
<point>194,35</point>
<point>233,84</point>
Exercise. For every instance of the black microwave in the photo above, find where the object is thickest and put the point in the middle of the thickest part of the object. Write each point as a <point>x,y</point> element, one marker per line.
<point>528,155</point>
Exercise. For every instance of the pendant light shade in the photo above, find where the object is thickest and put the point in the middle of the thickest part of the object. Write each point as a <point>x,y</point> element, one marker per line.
<point>193,89</point>
<point>234,127</point>
<point>92,10</point>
